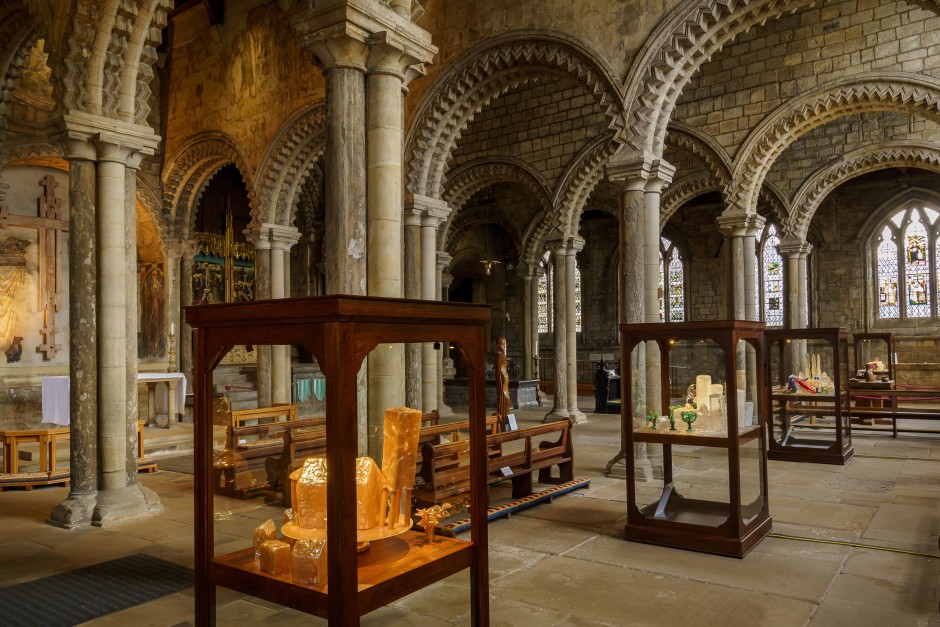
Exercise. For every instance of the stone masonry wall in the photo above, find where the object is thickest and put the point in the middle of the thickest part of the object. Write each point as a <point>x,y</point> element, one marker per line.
<point>789,56</point>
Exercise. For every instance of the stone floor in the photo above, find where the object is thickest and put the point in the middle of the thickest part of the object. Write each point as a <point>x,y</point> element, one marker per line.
<point>565,563</point>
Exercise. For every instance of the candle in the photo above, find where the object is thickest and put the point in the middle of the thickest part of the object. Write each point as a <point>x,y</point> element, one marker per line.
<point>703,387</point>
<point>172,328</point>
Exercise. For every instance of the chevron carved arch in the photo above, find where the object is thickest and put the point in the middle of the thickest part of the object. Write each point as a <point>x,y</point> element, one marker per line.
<point>682,136</point>
<point>284,168</point>
<point>487,72</point>
<point>476,216</point>
<point>798,116</point>
<point>773,203</point>
<point>192,166</point>
<point>106,56</point>
<point>674,53</point>
<point>821,183</point>
<point>685,189</point>
<point>19,33</point>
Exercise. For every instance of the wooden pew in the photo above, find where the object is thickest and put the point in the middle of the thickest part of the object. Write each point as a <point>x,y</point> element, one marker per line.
<point>446,467</point>
<point>239,417</point>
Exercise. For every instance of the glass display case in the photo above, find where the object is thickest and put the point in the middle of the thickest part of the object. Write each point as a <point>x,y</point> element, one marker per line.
<point>807,375</point>
<point>315,512</point>
<point>696,469</point>
<point>876,349</point>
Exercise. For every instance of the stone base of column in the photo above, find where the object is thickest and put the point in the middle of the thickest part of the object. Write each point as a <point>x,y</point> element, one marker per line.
<point>643,468</point>
<point>555,415</point>
<point>74,512</point>
<point>124,503</point>
<point>577,416</point>
<point>444,409</point>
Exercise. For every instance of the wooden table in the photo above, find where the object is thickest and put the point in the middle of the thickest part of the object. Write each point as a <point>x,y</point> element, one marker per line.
<point>47,440</point>
<point>55,397</point>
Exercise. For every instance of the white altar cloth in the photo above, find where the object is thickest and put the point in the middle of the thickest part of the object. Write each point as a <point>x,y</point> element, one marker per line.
<point>55,394</point>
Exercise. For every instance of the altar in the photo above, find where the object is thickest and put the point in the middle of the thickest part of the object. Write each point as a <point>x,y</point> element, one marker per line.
<point>166,394</point>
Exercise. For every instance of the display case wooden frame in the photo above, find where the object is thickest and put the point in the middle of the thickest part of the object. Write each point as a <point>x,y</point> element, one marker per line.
<point>888,339</point>
<point>340,331</point>
<point>689,523</point>
<point>790,412</point>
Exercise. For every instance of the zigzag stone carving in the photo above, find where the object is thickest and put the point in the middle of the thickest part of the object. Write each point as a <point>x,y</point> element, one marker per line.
<point>189,170</point>
<point>676,51</point>
<point>684,190</point>
<point>19,34</point>
<point>681,140</point>
<point>465,219</point>
<point>803,114</point>
<point>466,88</point>
<point>294,150</point>
<point>822,182</point>
<point>471,177</point>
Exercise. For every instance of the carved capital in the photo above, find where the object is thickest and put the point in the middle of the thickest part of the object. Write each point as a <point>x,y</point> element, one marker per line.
<point>272,236</point>
<point>87,136</point>
<point>443,260</point>
<point>639,172</point>
<point>739,224</point>
<point>431,211</point>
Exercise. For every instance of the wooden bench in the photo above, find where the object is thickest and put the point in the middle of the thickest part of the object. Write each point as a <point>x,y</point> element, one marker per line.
<point>239,417</point>
<point>446,467</point>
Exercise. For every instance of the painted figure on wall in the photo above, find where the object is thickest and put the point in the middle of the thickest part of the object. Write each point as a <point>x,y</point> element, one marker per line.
<point>12,273</point>
<point>154,299</point>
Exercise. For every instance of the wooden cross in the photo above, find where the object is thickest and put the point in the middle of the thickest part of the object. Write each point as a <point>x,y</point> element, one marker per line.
<point>50,243</point>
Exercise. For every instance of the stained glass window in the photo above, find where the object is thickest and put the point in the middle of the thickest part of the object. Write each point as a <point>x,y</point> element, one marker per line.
<point>676,287</point>
<point>916,270</point>
<point>888,277</point>
<point>772,270</point>
<point>543,303</point>
<point>577,299</point>
<point>671,282</point>
<point>906,247</point>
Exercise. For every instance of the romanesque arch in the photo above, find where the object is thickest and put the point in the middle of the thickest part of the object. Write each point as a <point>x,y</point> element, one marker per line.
<point>573,190</point>
<point>287,163</point>
<point>856,163</point>
<point>186,173</point>
<point>19,32</point>
<point>675,51</point>
<point>483,74</point>
<point>106,55</point>
<point>861,93</point>
<point>475,217</point>
<point>693,140</point>
<point>685,189</point>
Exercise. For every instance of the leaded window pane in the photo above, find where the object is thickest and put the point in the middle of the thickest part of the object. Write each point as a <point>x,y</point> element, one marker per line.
<point>676,288</point>
<point>772,265</point>
<point>577,299</point>
<point>916,270</point>
<point>543,303</point>
<point>661,291</point>
<point>888,277</point>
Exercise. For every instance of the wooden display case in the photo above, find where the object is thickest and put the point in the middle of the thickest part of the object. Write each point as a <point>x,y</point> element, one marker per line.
<point>340,332</point>
<point>805,426</point>
<point>710,493</point>
<point>869,346</point>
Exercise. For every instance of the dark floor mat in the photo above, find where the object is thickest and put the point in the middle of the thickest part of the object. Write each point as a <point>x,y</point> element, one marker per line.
<point>80,595</point>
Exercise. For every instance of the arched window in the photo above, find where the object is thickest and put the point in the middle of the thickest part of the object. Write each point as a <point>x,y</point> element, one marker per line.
<point>905,248</point>
<point>671,282</point>
<point>770,277</point>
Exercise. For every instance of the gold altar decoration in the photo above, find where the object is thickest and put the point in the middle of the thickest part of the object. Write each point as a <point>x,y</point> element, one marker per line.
<point>275,557</point>
<point>402,428</point>
<point>12,272</point>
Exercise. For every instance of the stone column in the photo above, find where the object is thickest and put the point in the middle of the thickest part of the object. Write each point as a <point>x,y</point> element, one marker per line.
<point>447,363</point>
<point>803,304</point>
<point>260,240</point>
<point>132,316</point>
<point>77,509</point>
<point>791,248</point>
<point>575,244</point>
<point>185,344</point>
<point>434,212</point>
<point>639,242</point>
<point>174,254</point>
<point>282,239</point>
<point>559,250</point>
<point>412,278</point>
<point>530,318</point>
<point>741,229</point>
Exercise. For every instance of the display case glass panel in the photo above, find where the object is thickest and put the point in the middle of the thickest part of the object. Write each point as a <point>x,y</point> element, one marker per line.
<point>877,350</point>
<point>288,499</point>
<point>808,372</point>
<point>696,470</point>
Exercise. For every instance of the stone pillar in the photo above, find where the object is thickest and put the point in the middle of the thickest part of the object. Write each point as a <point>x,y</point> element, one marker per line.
<point>412,277</point>
<point>447,363</point>
<point>791,248</point>
<point>77,509</point>
<point>742,229</point>
<point>174,286</point>
<point>259,239</point>
<point>559,249</point>
<point>530,318</point>
<point>575,244</point>
<point>282,239</point>
<point>185,345</point>
<point>434,212</point>
<point>803,317</point>
<point>132,316</point>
